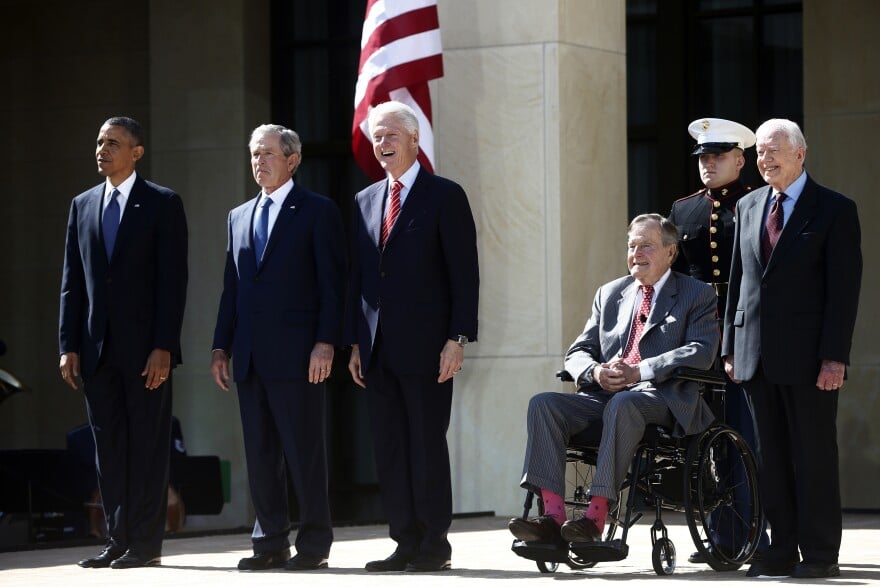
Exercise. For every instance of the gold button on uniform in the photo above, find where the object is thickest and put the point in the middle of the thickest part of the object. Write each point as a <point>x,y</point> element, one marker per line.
<point>716,272</point>
<point>717,204</point>
<point>713,229</point>
<point>714,216</point>
<point>714,258</point>
<point>713,245</point>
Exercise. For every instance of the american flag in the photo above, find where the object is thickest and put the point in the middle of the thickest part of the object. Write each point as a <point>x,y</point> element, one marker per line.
<point>400,52</point>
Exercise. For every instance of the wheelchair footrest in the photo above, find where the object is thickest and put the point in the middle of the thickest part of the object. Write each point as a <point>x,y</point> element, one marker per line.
<point>541,552</point>
<point>600,552</point>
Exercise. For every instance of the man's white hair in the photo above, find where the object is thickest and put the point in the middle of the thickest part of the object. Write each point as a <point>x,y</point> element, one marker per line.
<point>399,110</point>
<point>787,127</point>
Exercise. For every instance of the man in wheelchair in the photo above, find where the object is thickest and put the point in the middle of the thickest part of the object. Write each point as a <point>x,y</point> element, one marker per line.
<point>642,328</point>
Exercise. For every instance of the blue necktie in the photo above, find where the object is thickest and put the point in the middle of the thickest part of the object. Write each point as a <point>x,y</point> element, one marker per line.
<point>261,230</point>
<point>110,223</point>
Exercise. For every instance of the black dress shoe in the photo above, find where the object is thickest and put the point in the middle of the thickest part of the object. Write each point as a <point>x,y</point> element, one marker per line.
<point>306,562</point>
<point>771,568</point>
<point>103,560</point>
<point>424,564</point>
<point>697,558</point>
<point>133,560</point>
<point>806,570</point>
<point>396,562</point>
<point>543,529</point>
<point>582,530</point>
<point>265,560</point>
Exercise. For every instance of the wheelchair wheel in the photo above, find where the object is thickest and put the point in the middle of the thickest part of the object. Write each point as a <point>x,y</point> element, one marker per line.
<point>663,556</point>
<point>722,505</point>
<point>546,567</point>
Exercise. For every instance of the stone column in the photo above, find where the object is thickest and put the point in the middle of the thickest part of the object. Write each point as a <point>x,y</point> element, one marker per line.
<point>209,87</point>
<point>530,118</point>
<point>842,123</point>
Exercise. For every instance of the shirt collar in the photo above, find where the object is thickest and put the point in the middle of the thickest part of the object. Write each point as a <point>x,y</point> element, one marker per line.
<point>279,195</point>
<point>660,282</point>
<point>796,188</point>
<point>408,178</point>
<point>124,187</point>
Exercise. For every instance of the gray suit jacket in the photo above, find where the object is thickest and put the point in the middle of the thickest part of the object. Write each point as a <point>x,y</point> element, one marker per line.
<point>682,331</point>
<point>800,308</point>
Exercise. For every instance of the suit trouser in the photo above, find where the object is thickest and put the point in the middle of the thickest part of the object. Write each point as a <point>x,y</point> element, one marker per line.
<point>132,429</point>
<point>285,422</point>
<point>553,418</point>
<point>410,417</point>
<point>799,473</point>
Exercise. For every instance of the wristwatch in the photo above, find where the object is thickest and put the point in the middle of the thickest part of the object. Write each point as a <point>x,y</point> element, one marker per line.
<point>461,339</point>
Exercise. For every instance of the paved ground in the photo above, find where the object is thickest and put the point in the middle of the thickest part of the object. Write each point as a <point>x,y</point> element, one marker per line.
<point>481,556</point>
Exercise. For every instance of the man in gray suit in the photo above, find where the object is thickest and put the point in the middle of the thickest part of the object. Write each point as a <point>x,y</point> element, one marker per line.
<point>791,310</point>
<point>643,326</point>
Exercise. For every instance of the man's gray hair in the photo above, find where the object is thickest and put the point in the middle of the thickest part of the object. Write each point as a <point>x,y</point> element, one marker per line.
<point>399,110</point>
<point>290,142</point>
<point>668,230</point>
<point>787,127</point>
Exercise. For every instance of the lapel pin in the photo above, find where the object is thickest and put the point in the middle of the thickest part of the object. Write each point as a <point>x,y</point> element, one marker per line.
<point>137,205</point>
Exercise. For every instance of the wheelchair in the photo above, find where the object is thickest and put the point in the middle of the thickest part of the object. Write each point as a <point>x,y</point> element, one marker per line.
<point>710,474</point>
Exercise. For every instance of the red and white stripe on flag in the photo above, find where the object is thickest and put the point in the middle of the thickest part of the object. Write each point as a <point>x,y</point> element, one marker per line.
<point>400,52</point>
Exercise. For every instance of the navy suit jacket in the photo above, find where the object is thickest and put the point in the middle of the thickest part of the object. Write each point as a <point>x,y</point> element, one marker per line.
<point>424,285</point>
<point>140,293</point>
<point>272,315</point>
<point>801,308</point>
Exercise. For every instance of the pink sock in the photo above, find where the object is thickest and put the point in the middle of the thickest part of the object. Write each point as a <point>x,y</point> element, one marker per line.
<point>597,511</point>
<point>554,506</point>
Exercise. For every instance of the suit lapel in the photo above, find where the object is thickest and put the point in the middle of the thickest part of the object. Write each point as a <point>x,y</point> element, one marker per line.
<point>407,211</point>
<point>803,213</point>
<point>625,305</point>
<point>132,215</point>
<point>371,207</point>
<point>290,207</point>
<point>755,221</point>
<point>94,210</point>
<point>663,306</point>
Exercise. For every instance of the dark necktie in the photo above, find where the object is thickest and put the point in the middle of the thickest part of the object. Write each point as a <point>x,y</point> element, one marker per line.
<point>110,223</point>
<point>773,228</point>
<point>631,354</point>
<point>261,230</point>
<point>393,212</point>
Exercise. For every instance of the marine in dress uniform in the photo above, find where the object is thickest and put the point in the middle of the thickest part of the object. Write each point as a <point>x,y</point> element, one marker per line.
<point>706,222</point>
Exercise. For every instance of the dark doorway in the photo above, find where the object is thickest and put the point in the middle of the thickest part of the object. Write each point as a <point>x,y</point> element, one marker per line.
<point>735,59</point>
<point>315,54</point>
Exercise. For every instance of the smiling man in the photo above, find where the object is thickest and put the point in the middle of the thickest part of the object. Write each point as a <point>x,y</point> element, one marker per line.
<point>706,222</point>
<point>413,291</point>
<point>643,326</point>
<point>788,326</point>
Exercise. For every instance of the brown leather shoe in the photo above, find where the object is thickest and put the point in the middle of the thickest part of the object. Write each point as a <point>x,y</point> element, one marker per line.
<point>540,529</point>
<point>582,530</point>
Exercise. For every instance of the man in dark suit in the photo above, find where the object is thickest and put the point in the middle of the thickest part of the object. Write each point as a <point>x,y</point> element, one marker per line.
<point>412,308</point>
<point>706,222</point>
<point>643,326</point>
<point>791,311</point>
<point>280,317</point>
<point>123,292</point>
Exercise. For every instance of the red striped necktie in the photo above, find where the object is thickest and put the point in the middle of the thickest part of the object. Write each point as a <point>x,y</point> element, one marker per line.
<point>631,355</point>
<point>393,212</point>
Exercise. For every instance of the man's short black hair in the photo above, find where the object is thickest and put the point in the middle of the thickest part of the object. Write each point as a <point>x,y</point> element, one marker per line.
<point>133,127</point>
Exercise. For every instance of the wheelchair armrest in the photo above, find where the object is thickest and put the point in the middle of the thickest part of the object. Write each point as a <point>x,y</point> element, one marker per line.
<point>710,376</point>
<point>564,376</point>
